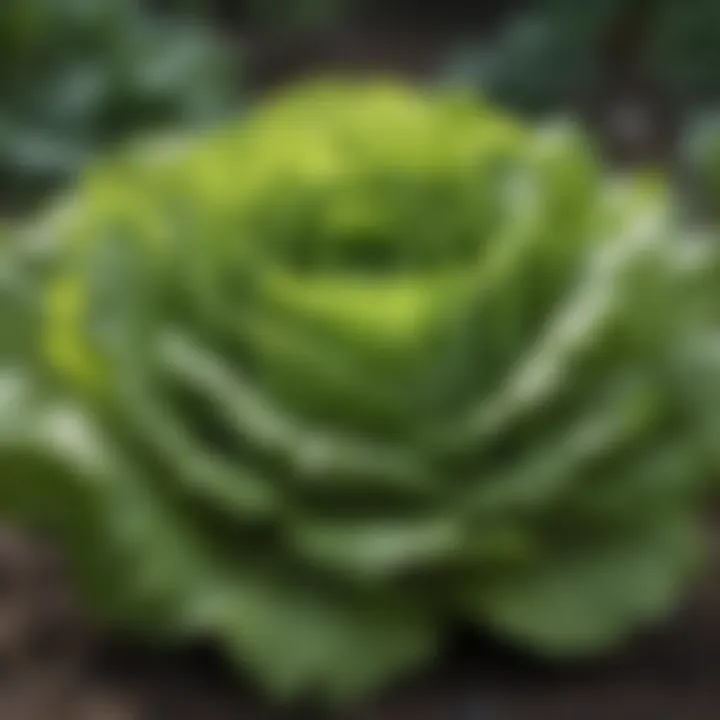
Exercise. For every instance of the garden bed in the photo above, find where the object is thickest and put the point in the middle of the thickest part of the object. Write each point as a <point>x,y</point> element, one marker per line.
<point>670,674</point>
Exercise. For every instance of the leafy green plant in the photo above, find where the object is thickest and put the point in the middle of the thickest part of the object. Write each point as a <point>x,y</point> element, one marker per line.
<point>77,76</point>
<point>552,57</point>
<point>701,166</point>
<point>542,61</point>
<point>375,362</point>
<point>684,50</point>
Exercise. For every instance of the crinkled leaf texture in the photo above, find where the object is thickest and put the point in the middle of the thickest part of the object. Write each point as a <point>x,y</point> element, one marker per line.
<point>372,363</point>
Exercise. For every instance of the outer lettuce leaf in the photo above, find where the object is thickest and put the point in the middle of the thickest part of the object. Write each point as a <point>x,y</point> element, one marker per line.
<point>582,601</point>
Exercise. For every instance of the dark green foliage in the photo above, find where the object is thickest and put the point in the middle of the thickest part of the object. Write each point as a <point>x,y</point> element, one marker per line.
<point>560,53</point>
<point>78,76</point>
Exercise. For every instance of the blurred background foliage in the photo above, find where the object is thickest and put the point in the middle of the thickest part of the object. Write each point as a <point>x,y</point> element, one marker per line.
<point>701,155</point>
<point>77,76</point>
<point>554,53</point>
<point>542,59</point>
